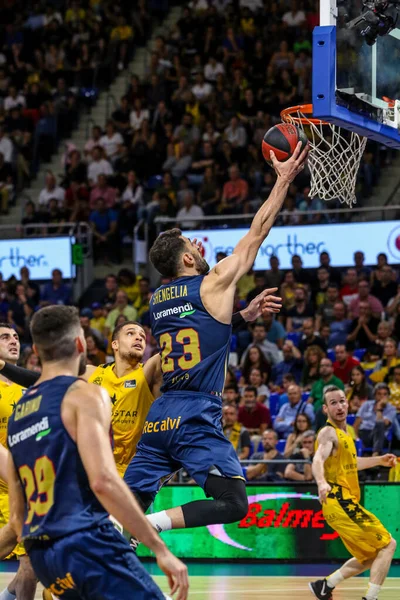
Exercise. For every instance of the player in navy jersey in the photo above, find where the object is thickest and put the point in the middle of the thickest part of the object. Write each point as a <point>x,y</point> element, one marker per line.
<point>191,321</point>
<point>63,480</point>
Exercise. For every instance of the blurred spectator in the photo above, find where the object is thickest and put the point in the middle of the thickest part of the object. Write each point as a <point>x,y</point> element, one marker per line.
<point>266,471</point>
<point>142,301</point>
<point>292,363</point>
<point>339,326</point>
<point>32,289</point>
<point>276,333</point>
<point>255,359</point>
<point>230,395</point>
<point>334,274</point>
<point>273,276</point>
<point>344,363</point>
<point>32,362</point>
<point>56,292</point>
<point>320,290</point>
<point>302,471</point>
<point>235,193</point>
<point>98,166</point>
<point>285,420</point>
<point>6,185</point>
<point>269,350</point>
<point>327,378</point>
<point>385,288</point>
<point>111,285</point>
<point>189,209</point>
<point>6,146</point>
<point>325,313</point>
<point>121,308</point>
<point>310,337</point>
<point>50,191</point>
<point>374,419</point>
<point>384,332</point>
<point>235,432</point>
<point>350,289</point>
<point>93,142</point>
<point>358,385</point>
<point>103,221</point>
<point>300,312</point>
<point>138,115</point>
<point>20,311</point>
<point>256,380</point>
<point>253,415</point>
<point>365,296</point>
<point>287,291</point>
<point>98,321</point>
<point>360,268</point>
<point>102,191</point>
<point>394,387</point>
<point>389,361</point>
<point>129,282</point>
<point>30,218</point>
<point>363,330</point>
<point>95,354</point>
<point>293,441</point>
<point>394,302</point>
<point>312,359</point>
<point>300,274</point>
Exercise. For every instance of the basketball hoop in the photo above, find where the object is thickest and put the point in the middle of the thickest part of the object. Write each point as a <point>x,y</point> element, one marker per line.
<point>335,155</point>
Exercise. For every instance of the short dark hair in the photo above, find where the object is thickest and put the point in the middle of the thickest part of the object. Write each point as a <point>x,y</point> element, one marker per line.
<point>232,386</point>
<point>53,330</point>
<point>120,327</point>
<point>166,252</point>
<point>250,388</point>
<point>328,389</point>
<point>4,325</point>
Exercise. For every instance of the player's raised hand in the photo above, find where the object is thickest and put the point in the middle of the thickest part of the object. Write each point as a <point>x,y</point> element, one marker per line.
<point>261,304</point>
<point>176,572</point>
<point>289,169</point>
<point>323,491</point>
<point>388,460</point>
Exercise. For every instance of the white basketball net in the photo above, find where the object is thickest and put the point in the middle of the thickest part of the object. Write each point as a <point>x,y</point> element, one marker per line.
<point>334,158</point>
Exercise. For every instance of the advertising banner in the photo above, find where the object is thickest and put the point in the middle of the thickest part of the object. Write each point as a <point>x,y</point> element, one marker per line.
<point>340,240</point>
<point>283,523</point>
<point>40,255</point>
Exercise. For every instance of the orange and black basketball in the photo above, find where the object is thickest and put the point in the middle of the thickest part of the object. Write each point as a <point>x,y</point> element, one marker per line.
<point>282,139</point>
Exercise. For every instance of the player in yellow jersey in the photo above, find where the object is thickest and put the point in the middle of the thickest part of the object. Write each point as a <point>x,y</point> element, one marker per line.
<point>132,388</point>
<point>335,468</point>
<point>23,585</point>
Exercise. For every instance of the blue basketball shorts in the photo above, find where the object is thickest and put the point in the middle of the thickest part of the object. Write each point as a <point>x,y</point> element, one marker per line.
<point>93,564</point>
<point>182,430</point>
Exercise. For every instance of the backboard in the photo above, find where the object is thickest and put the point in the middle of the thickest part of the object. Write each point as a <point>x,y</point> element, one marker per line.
<point>356,85</point>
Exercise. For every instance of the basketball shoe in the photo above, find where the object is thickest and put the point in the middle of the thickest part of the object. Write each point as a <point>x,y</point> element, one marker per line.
<point>321,589</point>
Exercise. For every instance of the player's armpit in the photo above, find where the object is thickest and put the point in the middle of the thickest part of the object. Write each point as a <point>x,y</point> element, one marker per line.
<point>15,497</point>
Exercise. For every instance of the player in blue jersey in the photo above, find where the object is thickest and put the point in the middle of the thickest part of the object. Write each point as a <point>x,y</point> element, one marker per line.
<point>63,480</point>
<point>191,320</point>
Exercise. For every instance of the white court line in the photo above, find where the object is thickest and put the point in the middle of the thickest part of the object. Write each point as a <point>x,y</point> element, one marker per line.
<point>275,591</point>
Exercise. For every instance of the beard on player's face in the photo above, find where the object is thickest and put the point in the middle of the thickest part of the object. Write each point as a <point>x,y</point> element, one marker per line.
<point>132,355</point>
<point>202,266</point>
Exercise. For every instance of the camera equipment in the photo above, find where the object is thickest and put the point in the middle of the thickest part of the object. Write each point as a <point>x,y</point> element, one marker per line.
<point>375,21</point>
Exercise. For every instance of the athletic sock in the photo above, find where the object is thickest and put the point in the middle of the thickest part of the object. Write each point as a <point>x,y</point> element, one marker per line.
<point>372,591</point>
<point>334,579</point>
<point>6,595</point>
<point>160,521</point>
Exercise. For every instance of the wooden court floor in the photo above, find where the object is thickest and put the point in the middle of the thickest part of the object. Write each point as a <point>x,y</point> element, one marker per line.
<point>203,587</point>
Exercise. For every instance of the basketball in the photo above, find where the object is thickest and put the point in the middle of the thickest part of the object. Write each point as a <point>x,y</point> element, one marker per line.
<point>282,139</point>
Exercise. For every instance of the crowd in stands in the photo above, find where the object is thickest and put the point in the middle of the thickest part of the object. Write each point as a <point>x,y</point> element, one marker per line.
<point>184,141</point>
<point>335,328</point>
<point>54,57</point>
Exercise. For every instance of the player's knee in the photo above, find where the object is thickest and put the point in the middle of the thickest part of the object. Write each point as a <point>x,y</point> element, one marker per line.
<point>242,507</point>
<point>237,504</point>
<point>392,545</point>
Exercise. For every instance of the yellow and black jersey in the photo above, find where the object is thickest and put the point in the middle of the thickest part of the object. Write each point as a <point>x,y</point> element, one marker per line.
<point>131,400</point>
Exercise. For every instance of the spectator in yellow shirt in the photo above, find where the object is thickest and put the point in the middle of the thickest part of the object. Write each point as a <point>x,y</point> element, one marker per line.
<point>121,308</point>
<point>394,386</point>
<point>388,361</point>
<point>121,36</point>
<point>129,282</point>
<point>98,321</point>
<point>75,13</point>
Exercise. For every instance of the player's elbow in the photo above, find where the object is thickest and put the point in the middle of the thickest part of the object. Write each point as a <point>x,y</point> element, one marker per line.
<point>103,484</point>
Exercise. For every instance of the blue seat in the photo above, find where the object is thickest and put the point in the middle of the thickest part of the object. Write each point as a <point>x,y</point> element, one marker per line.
<point>305,396</point>
<point>359,353</point>
<point>331,355</point>
<point>274,404</point>
<point>351,419</point>
<point>244,471</point>
<point>260,447</point>
<point>281,446</point>
<point>251,449</point>
<point>359,447</point>
<point>294,337</point>
<point>233,343</point>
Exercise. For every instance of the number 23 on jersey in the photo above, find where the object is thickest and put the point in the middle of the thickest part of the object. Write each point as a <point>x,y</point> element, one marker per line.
<point>188,339</point>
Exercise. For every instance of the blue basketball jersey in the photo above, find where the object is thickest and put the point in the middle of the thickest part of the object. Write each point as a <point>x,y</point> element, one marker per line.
<point>194,346</point>
<point>58,497</point>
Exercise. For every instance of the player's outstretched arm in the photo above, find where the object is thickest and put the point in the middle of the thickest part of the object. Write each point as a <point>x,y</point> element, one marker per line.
<point>232,268</point>
<point>369,462</point>
<point>153,373</point>
<point>15,498</point>
<point>327,441</point>
<point>86,413</point>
